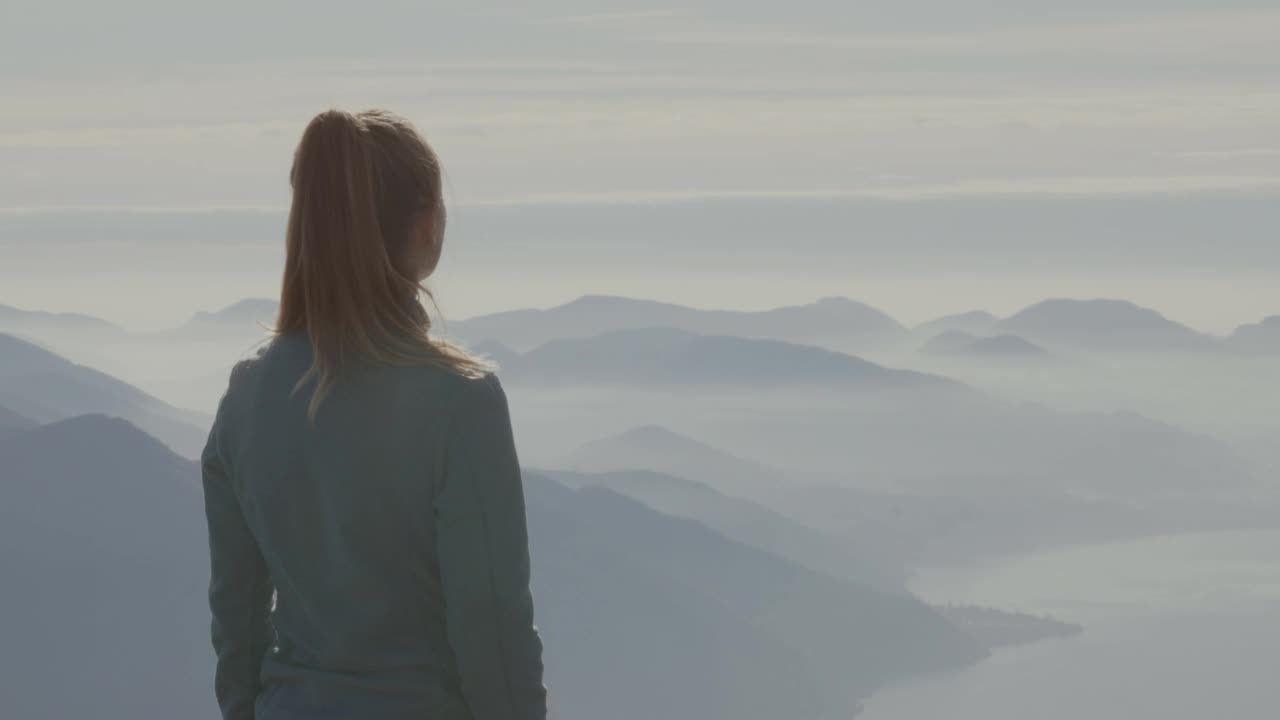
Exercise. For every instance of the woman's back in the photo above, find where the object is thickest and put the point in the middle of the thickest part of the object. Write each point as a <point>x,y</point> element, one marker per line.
<point>392,530</point>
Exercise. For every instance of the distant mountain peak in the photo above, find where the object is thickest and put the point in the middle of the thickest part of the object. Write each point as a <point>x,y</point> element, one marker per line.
<point>248,308</point>
<point>673,357</point>
<point>250,304</point>
<point>1262,336</point>
<point>651,434</point>
<point>976,315</point>
<point>611,301</point>
<point>1271,322</point>
<point>18,317</point>
<point>45,387</point>
<point>250,317</point>
<point>495,352</point>
<point>660,449</point>
<point>1103,323</point>
<point>837,301</point>
<point>1072,308</point>
<point>955,336</point>
<point>99,435</point>
<point>833,321</point>
<point>1007,345</point>
<point>658,437</point>
<point>960,343</point>
<point>974,322</point>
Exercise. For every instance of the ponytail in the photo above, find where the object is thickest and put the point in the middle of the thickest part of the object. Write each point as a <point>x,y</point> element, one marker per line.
<point>342,284</point>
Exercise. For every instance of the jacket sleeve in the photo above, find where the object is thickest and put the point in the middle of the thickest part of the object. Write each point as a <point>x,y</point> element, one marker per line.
<point>484,560</point>
<point>240,590</point>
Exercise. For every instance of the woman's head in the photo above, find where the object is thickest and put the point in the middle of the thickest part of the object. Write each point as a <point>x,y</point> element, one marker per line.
<point>366,226</point>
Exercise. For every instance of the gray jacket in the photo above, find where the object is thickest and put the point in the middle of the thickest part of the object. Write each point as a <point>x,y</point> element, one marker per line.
<point>392,536</point>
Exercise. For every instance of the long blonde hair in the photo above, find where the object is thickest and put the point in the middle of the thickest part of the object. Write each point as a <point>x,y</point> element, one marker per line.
<point>361,183</point>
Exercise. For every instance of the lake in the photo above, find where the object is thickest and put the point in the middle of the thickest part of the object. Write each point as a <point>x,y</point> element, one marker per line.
<point>1176,627</point>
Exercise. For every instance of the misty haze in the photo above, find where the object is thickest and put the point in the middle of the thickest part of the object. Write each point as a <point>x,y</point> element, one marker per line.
<point>893,361</point>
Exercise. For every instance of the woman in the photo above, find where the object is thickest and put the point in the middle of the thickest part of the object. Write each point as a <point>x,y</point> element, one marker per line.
<point>364,472</point>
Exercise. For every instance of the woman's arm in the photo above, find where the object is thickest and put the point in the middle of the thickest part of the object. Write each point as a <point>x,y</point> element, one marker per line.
<point>240,591</point>
<point>484,560</point>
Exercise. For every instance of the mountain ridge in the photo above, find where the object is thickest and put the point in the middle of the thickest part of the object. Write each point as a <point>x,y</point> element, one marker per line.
<point>671,356</point>
<point>1103,324</point>
<point>46,386</point>
<point>831,319</point>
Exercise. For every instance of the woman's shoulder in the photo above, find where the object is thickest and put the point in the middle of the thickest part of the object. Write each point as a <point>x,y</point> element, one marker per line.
<point>483,387</point>
<point>478,395</point>
<point>245,377</point>
<point>247,366</point>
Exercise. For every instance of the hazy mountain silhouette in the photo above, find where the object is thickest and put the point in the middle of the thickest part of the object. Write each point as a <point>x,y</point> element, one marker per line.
<point>746,522</point>
<point>496,352</point>
<point>605,566</point>
<point>962,344</point>
<point>838,322</point>
<point>1103,325</point>
<point>969,444</point>
<point>37,323</point>
<point>187,365</point>
<point>102,547</point>
<point>83,336</point>
<point>976,322</point>
<point>1006,345</point>
<point>669,356</point>
<point>46,387</point>
<point>1261,337</point>
<point>948,341</point>
<point>10,420</point>
<point>245,318</point>
<point>877,427</point>
<point>651,447</point>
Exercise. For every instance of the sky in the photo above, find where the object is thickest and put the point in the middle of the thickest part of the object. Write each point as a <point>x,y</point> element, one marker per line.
<point>924,156</point>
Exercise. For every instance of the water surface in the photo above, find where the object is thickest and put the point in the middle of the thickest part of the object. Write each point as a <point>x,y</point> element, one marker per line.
<point>1176,627</point>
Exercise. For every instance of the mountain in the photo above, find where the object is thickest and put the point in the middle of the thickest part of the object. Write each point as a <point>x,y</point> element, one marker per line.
<point>948,342</point>
<point>1260,337</point>
<point>967,444</point>
<point>496,352</point>
<point>962,344</point>
<point>246,318</point>
<point>655,448</point>
<point>47,387</point>
<point>37,324</point>
<point>1103,325</point>
<point>186,365</point>
<point>976,322</point>
<point>835,322</point>
<point>695,625</point>
<point>83,336</point>
<point>102,546</point>
<point>746,522</point>
<point>823,415</point>
<point>10,420</point>
<point>104,555</point>
<point>1006,346</point>
<point>673,357</point>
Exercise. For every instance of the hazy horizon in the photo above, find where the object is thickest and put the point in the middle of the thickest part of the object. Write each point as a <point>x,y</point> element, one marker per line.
<point>1094,150</point>
<point>916,259</point>
<point>173,317</point>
